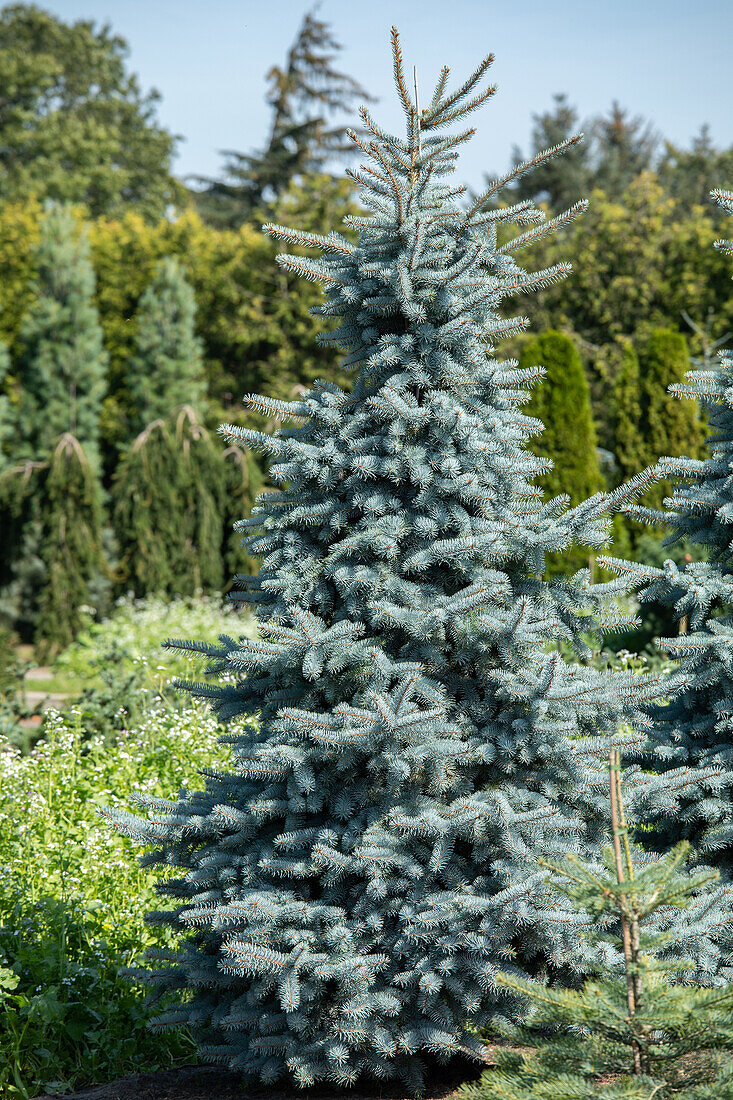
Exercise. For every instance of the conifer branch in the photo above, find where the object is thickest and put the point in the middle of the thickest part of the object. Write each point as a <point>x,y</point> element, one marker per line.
<point>435,118</point>
<point>521,169</point>
<point>395,185</point>
<point>543,230</point>
<point>399,76</point>
<point>439,88</point>
<point>309,240</point>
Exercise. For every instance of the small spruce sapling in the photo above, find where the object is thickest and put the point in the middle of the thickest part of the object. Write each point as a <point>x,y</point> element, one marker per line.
<point>635,1033</point>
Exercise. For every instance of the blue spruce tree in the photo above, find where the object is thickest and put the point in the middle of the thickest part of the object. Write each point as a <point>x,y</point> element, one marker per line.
<point>351,887</point>
<point>690,743</point>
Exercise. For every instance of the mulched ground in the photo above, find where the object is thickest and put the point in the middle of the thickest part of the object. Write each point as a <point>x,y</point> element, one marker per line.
<point>211,1083</point>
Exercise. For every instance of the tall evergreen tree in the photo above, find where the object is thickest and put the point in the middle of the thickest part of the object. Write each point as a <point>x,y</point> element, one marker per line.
<point>617,150</point>
<point>691,739</point>
<point>647,420</point>
<point>559,181</point>
<point>624,148</point>
<point>22,571</point>
<point>568,438</point>
<point>299,143</point>
<point>61,365</point>
<point>668,427</point>
<point>630,446</point>
<point>562,403</point>
<point>168,506</point>
<point>71,544</point>
<point>52,518</point>
<point>166,370</point>
<point>350,889</point>
<point>688,174</point>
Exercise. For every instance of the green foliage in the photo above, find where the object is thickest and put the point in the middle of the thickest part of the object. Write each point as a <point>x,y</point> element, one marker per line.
<point>253,318</point>
<point>243,481</point>
<point>687,742</point>
<point>657,620</point>
<point>632,1030</point>
<point>562,403</point>
<point>7,419</point>
<point>166,369</point>
<point>616,148</point>
<point>20,228</point>
<point>72,902</point>
<point>562,180</point>
<point>626,435</point>
<point>667,426</point>
<point>168,505</point>
<point>61,364</point>
<point>70,514</point>
<point>8,663</point>
<point>649,421</point>
<point>638,263</point>
<point>52,557</point>
<point>139,627</point>
<point>116,670</point>
<point>690,174</point>
<point>74,126</point>
<point>22,571</point>
<point>631,451</point>
<point>622,149</point>
<point>147,512</point>
<point>299,144</point>
<point>419,742</point>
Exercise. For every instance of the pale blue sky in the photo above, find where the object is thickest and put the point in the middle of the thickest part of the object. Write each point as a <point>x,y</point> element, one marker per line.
<point>666,59</point>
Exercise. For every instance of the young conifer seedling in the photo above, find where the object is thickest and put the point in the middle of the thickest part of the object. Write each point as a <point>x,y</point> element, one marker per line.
<point>638,1033</point>
<point>350,888</point>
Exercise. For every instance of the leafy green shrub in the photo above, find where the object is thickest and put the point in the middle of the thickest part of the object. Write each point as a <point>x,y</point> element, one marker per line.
<point>72,899</point>
<point>137,630</point>
<point>8,660</point>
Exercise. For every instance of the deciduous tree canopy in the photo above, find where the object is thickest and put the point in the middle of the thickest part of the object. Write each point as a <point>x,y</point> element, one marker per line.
<point>74,124</point>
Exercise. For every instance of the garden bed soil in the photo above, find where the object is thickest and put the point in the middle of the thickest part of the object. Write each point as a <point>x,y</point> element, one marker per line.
<point>212,1083</point>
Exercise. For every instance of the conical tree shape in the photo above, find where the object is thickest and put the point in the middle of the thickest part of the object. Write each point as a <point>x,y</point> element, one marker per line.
<point>669,427</point>
<point>147,514</point>
<point>299,144</point>
<point>201,494</point>
<point>61,367</point>
<point>568,439</point>
<point>562,403</point>
<point>166,370</point>
<point>691,740</point>
<point>352,886</point>
<point>71,545</point>
<point>168,505</point>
